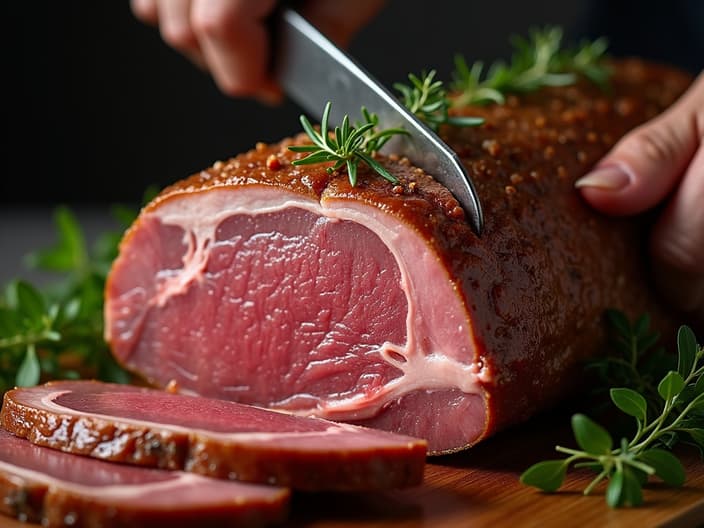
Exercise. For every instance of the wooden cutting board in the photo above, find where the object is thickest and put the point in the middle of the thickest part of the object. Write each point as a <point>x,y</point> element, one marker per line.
<point>480,488</point>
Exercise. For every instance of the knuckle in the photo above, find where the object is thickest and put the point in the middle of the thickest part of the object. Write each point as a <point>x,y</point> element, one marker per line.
<point>216,19</point>
<point>144,10</point>
<point>179,36</point>
<point>655,142</point>
<point>681,252</point>
<point>236,86</point>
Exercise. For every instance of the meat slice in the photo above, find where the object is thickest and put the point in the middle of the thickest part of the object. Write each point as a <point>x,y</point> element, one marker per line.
<point>59,489</point>
<point>284,287</point>
<point>211,437</point>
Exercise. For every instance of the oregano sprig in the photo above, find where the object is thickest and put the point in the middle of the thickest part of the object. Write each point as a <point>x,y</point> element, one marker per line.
<point>680,414</point>
<point>347,145</point>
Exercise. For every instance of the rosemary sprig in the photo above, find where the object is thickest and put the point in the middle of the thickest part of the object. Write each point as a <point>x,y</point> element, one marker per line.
<point>679,414</point>
<point>536,62</point>
<point>427,98</point>
<point>348,145</point>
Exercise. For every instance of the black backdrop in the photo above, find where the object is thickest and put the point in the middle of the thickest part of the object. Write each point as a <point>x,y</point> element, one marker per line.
<point>97,107</point>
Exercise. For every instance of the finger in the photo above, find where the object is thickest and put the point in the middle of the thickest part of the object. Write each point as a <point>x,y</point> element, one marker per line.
<point>176,29</point>
<point>235,42</point>
<point>340,20</point>
<point>678,236</point>
<point>146,11</point>
<point>677,243</point>
<point>644,167</point>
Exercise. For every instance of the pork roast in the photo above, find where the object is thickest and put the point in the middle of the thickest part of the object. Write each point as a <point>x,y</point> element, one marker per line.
<point>285,287</point>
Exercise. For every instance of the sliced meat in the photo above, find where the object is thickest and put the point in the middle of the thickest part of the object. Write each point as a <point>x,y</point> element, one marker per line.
<point>59,489</point>
<point>283,286</point>
<point>211,437</point>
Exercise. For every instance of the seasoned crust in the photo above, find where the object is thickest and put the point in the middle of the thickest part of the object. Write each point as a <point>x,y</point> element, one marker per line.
<point>538,280</point>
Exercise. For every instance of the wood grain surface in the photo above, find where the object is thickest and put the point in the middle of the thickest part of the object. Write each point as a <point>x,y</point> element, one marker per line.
<point>480,488</point>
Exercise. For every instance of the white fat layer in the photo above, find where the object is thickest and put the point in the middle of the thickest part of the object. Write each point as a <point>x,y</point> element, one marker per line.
<point>429,360</point>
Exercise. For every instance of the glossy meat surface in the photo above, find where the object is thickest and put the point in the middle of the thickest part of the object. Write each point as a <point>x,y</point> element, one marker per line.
<point>211,437</point>
<point>492,329</point>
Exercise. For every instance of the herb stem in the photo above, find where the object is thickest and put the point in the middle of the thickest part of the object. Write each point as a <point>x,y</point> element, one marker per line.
<point>576,454</point>
<point>29,339</point>
<point>601,476</point>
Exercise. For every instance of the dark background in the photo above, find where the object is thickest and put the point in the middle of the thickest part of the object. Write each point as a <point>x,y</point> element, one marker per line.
<point>97,106</point>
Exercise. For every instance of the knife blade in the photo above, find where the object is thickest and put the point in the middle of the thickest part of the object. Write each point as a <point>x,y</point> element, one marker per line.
<point>312,70</point>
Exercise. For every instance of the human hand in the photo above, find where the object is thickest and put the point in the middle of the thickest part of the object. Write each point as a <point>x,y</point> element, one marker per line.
<point>663,160</point>
<point>229,38</point>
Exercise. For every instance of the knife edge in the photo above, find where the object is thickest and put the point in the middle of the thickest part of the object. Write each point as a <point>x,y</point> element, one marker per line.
<point>312,70</point>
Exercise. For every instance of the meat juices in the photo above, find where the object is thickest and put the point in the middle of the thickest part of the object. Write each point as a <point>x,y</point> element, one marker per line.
<point>217,438</point>
<point>282,286</point>
<point>38,484</point>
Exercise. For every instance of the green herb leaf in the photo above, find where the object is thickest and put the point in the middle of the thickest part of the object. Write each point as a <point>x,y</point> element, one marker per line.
<point>547,475</point>
<point>69,254</point>
<point>58,332</point>
<point>29,301</point>
<point>347,146</point>
<point>671,385</point>
<point>677,407</point>
<point>537,61</point>
<point>614,492</point>
<point>624,489</point>
<point>590,436</point>
<point>619,320</point>
<point>29,371</point>
<point>687,351</point>
<point>630,402</point>
<point>427,99</point>
<point>698,436</point>
<point>666,465</point>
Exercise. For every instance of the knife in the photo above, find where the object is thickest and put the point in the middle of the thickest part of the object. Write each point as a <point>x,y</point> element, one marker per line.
<point>312,70</point>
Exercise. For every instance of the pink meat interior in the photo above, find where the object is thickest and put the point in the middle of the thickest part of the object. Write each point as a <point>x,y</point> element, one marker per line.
<point>208,414</point>
<point>304,309</point>
<point>290,303</point>
<point>138,487</point>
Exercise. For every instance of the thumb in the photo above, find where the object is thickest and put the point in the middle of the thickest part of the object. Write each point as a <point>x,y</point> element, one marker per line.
<point>647,164</point>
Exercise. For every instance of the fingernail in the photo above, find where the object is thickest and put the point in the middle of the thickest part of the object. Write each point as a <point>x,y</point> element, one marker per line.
<point>611,178</point>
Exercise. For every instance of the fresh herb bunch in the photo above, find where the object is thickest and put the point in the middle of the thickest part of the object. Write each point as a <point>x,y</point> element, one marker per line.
<point>679,415</point>
<point>536,62</point>
<point>58,332</point>
<point>348,145</point>
<point>427,98</point>
<point>636,360</point>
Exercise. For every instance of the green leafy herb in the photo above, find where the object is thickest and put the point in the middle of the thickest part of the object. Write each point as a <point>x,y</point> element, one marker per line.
<point>536,62</point>
<point>679,414</point>
<point>58,332</point>
<point>636,361</point>
<point>427,99</point>
<point>348,145</point>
